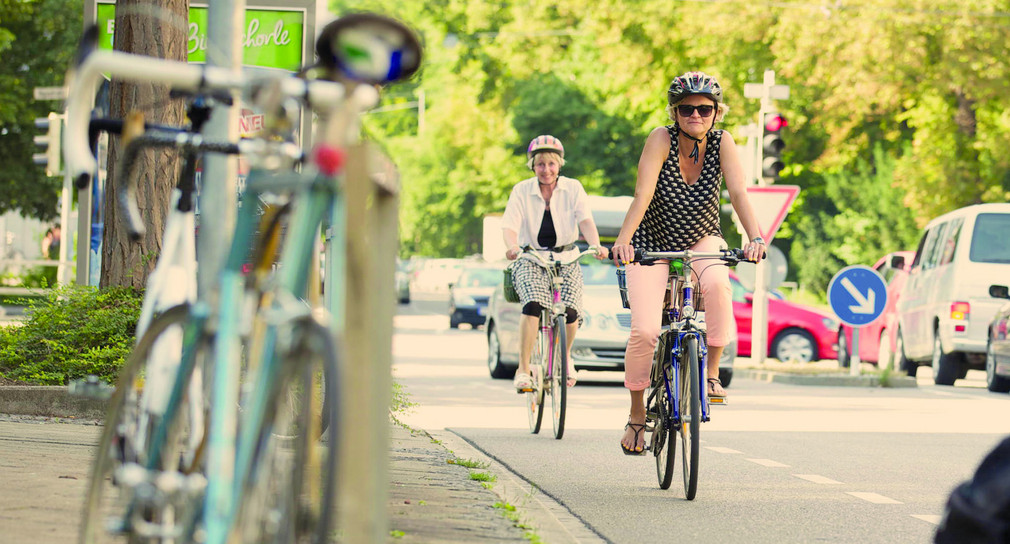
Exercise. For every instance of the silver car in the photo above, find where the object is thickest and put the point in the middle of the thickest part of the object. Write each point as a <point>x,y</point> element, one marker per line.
<point>601,340</point>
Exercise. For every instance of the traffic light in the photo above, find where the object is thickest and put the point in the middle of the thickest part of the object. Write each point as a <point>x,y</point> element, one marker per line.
<point>772,145</point>
<point>48,143</point>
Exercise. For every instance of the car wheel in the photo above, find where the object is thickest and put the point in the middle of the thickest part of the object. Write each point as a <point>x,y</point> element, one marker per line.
<point>844,359</point>
<point>903,363</point>
<point>494,364</point>
<point>994,382</point>
<point>725,376</point>
<point>726,364</point>
<point>453,322</point>
<point>795,345</point>
<point>884,353</point>
<point>945,365</point>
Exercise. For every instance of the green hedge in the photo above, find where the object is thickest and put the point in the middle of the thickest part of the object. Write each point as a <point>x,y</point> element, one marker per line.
<point>73,332</point>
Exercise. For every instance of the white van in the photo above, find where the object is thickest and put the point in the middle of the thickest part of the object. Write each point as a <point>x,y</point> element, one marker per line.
<point>945,307</point>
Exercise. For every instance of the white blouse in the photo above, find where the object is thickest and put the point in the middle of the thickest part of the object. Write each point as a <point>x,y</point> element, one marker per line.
<point>525,211</point>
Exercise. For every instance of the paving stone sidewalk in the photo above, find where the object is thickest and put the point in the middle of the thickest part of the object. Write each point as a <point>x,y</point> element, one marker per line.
<point>434,500</point>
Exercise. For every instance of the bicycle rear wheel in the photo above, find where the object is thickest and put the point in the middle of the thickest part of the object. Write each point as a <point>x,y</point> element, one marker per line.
<point>559,377</point>
<point>690,413</point>
<point>123,501</point>
<point>290,489</point>
<point>535,398</point>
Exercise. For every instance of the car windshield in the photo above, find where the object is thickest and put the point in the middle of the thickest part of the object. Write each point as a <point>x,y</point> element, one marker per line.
<point>989,243</point>
<point>599,274</point>
<point>479,277</point>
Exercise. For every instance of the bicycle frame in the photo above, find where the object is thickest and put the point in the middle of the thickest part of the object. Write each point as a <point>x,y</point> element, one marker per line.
<point>548,315</point>
<point>679,330</point>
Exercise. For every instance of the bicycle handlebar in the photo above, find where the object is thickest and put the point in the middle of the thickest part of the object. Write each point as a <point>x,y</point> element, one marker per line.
<point>84,79</point>
<point>530,253</point>
<point>731,256</point>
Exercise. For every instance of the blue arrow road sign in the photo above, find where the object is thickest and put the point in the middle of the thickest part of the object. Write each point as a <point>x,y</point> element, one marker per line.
<point>857,294</point>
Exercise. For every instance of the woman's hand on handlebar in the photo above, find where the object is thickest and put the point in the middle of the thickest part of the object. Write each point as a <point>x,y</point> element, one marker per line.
<point>513,252</point>
<point>601,253</point>
<point>623,254</point>
<point>755,250</point>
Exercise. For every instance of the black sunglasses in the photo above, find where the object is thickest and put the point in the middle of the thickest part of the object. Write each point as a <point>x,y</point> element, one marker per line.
<point>687,110</point>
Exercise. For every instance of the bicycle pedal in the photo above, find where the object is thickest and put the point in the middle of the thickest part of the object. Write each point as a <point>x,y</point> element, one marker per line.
<point>715,401</point>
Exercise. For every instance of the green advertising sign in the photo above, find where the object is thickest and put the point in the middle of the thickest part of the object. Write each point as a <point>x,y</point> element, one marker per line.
<point>271,38</point>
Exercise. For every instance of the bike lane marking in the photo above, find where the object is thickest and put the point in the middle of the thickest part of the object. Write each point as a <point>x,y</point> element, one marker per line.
<point>875,498</point>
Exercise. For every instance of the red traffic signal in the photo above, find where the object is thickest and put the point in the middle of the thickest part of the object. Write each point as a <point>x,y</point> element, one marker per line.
<point>772,145</point>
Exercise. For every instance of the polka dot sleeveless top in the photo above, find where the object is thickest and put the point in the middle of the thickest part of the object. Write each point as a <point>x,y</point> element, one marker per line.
<point>681,214</point>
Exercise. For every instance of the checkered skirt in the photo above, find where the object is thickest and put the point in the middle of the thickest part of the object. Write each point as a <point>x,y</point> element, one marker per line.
<point>533,284</point>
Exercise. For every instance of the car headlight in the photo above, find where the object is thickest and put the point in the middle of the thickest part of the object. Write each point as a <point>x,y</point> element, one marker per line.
<point>587,321</point>
<point>830,323</point>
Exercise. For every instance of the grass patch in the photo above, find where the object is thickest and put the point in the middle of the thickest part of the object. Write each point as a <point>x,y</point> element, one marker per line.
<point>483,476</point>
<point>510,512</point>
<point>468,463</point>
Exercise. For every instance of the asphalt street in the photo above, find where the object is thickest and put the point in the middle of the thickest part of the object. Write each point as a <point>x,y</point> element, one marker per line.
<point>780,463</point>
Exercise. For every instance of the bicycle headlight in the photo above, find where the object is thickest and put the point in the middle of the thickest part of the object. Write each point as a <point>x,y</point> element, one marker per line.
<point>558,308</point>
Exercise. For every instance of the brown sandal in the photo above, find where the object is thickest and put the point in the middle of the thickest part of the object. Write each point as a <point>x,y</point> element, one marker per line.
<point>712,382</point>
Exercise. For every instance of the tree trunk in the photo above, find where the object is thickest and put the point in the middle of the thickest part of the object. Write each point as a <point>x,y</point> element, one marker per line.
<point>156,28</point>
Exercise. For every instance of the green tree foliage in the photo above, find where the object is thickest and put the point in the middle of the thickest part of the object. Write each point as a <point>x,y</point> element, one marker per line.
<point>897,112</point>
<point>37,43</point>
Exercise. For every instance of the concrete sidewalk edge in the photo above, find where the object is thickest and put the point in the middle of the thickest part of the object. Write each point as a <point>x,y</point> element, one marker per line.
<point>552,521</point>
<point>838,380</point>
<point>49,401</point>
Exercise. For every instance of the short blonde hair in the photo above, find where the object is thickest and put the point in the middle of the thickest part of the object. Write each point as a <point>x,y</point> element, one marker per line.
<point>555,155</point>
<point>721,110</point>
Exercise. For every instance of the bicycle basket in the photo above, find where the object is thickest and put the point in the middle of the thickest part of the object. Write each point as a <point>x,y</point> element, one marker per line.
<point>508,288</point>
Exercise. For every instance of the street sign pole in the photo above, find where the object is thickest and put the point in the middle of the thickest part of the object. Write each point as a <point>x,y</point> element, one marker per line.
<point>766,91</point>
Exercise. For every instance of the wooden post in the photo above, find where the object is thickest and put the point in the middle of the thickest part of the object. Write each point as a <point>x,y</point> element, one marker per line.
<point>372,198</point>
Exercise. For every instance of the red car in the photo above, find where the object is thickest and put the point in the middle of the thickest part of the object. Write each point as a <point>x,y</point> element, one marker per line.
<point>877,339</point>
<point>795,331</point>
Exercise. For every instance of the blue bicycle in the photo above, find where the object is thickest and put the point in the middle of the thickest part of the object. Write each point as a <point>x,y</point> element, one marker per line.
<point>678,400</point>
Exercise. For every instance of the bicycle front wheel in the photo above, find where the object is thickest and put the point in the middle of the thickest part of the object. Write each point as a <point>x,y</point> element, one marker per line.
<point>535,398</point>
<point>690,413</point>
<point>123,501</point>
<point>664,439</point>
<point>290,487</point>
<point>559,376</point>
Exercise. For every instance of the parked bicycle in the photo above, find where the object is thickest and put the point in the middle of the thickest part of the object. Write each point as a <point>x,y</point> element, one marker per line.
<point>677,401</point>
<point>264,470</point>
<point>549,360</point>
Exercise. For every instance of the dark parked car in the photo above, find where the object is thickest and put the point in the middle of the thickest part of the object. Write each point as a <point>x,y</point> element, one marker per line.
<point>468,295</point>
<point>878,339</point>
<point>601,340</point>
<point>402,282</point>
<point>997,352</point>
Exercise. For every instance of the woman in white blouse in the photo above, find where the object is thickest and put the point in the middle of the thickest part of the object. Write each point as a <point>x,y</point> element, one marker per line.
<point>546,212</point>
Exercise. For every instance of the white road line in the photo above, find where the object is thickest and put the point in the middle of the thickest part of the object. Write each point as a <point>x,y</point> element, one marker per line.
<point>817,479</point>
<point>718,449</point>
<point>935,520</point>
<point>767,463</point>
<point>875,498</point>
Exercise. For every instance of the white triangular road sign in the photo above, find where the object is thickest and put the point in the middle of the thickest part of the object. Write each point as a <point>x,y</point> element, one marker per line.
<point>771,204</point>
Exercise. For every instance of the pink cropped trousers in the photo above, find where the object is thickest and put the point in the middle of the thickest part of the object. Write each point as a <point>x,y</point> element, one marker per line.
<point>646,291</point>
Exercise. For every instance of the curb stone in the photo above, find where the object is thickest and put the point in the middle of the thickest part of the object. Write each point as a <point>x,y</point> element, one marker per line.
<point>838,380</point>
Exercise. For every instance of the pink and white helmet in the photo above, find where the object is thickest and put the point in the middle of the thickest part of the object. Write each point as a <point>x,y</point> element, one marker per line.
<point>545,142</point>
